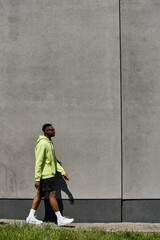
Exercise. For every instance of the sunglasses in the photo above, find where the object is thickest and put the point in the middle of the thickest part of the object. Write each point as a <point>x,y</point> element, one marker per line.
<point>51,129</point>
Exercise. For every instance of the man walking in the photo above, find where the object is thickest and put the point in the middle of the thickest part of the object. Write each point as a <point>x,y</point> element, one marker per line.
<point>45,170</point>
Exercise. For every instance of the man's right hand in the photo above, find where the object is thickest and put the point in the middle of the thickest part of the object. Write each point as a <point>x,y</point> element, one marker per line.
<point>37,184</point>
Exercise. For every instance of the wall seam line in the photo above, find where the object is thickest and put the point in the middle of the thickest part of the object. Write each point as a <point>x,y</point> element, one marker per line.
<point>121,102</point>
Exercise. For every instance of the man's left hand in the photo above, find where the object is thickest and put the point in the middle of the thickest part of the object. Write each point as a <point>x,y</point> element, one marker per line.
<point>66,177</point>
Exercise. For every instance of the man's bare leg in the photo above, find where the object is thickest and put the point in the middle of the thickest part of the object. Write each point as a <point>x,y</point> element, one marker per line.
<point>54,204</point>
<point>61,221</point>
<point>53,201</point>
<point>37,199</point>
<point>31,217</point>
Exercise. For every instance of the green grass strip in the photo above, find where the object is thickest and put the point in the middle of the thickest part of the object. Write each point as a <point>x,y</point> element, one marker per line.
<point>48,232</point>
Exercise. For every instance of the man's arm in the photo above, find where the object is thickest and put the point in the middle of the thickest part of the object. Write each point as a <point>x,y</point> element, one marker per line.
<point>61,170</point>
<point>66,177</point>
<point>39,157</point>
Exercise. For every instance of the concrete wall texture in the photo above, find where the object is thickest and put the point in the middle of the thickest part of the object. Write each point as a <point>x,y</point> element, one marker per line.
<point>141,109</point>
<point>90,67</point>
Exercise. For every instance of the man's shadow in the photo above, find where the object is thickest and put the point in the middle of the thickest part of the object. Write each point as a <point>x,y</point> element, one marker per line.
<point>61,185</point>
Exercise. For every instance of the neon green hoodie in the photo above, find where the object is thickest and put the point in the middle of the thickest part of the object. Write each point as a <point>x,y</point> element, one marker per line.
<point>46,163</point>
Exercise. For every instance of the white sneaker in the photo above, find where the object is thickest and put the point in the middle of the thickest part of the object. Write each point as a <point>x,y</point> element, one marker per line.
<point>33,220</point>
<point>64,221</point>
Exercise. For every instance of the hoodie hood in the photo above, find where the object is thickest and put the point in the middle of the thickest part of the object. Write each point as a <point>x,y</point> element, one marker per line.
<point>42,137</point>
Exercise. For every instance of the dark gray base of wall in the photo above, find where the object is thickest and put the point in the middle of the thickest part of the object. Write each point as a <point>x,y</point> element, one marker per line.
<point>141,210</point>
<point>85,210</point>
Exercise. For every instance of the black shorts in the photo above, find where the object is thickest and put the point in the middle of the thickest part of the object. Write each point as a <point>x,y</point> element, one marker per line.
<point>47,184</point>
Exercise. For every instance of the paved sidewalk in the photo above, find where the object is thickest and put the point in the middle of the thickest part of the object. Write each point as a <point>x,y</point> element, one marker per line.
<point>138,227</point>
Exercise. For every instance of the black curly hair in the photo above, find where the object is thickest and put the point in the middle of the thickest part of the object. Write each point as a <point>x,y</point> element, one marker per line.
<point>45,126</point>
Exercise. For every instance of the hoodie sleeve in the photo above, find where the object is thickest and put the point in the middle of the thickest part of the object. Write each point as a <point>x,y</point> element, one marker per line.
<point>59,167</point>
<point>39,157</point>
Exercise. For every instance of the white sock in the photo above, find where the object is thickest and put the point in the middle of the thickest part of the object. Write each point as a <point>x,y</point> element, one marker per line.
<point>32,213</point>
<point>58,215</point>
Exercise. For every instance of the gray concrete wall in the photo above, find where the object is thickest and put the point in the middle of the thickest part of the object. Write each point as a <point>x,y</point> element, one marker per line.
<point>60,64</point>
<point>141,108</point>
